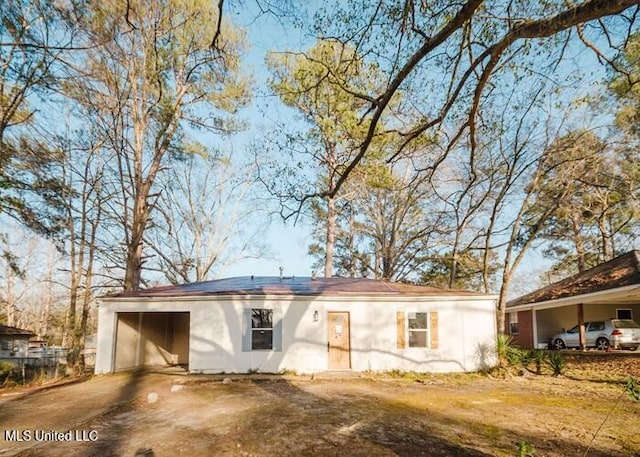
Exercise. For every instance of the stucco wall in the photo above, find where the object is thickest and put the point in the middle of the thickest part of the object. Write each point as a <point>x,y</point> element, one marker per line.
<point>466,329</point>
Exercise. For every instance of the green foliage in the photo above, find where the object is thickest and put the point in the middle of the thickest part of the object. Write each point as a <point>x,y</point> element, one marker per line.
<point>588,194</point>
<point>8,372</point>
<point>633,389</point>
<point>624,87</point>
<point>30,184</point>
<point>468,272</point>
<point>525,449</point>
<point>288,372</point>
<point>556,362</point>
<point>513,359</point>
<point>538,357</point>
<point>504,349</point>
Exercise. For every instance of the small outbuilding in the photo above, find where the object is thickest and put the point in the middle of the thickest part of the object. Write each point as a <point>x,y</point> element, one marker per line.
<point>14,343</point>
<point>610,290</point>
<point>305,324</point>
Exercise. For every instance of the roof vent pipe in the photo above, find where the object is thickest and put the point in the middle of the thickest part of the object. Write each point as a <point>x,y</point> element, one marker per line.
<point>281,272</point>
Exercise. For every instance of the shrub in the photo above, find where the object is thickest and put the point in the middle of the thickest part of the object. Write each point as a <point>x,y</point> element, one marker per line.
<point>8,371</point>
<point>503,349</point>
<point>538,356</point>
<point>525,449</point>
<point>556,362</point>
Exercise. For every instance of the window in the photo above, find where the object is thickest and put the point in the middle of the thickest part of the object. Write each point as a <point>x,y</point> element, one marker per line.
<point>513,324</point>
<point>575,329</point>
<point>418,330</point>
<point>624,314</point>
<point>5,345</point>
<point>261,329</point>
<point>596,327</point>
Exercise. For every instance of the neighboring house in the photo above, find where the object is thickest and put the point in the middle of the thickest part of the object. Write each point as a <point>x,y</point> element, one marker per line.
<point>610,290</point>
<point>304,324</point>
<point>14,344</point>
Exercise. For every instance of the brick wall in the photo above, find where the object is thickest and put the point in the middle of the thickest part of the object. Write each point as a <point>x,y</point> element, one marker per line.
<point>524,338</point>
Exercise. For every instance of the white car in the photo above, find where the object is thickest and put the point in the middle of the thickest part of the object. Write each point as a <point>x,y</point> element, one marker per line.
<point>616,333</point>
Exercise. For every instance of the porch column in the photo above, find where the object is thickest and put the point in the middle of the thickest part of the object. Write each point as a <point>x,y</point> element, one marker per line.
<point>534,327</point>
<point>583,336</point>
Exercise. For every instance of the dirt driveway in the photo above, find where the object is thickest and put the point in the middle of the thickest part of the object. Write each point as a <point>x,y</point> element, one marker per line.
<point>454,415</point>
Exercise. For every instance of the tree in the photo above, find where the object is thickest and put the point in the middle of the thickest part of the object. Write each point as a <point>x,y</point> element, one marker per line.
<point>29,50</point>
<point>387,221</point>
<point>203,218</point>
<point>85,203</point>
<point>447,58</point>
<point>623,85</point>
<point>599,208</point>
<point>318,85</point>
<point>149,81</point>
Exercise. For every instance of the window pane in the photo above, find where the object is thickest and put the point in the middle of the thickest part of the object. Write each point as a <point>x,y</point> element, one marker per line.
<point>261,339</point>
<point>624,314</point>
<point>418,321</point>
<point>261,318</point>
<point>417,339</point>
<point>625,324</point>
<point>596,327</point>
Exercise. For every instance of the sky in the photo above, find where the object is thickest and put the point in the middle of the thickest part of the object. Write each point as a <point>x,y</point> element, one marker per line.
<point>288,242</point>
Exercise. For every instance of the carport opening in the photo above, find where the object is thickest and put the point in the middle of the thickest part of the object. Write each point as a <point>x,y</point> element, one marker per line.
<point>152,339</point>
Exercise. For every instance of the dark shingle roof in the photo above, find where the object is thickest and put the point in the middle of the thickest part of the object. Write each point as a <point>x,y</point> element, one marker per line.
<point>622,271</point>
<point>273,285</point>
<point>6,330</point>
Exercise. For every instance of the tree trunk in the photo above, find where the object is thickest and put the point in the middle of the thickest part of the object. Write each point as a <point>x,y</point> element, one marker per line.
<point>607,251</point>
<point>578,241</point>
<point>331,237</point>
<point>502,300</point>
<point>11,304</point>
<point>133,271</point>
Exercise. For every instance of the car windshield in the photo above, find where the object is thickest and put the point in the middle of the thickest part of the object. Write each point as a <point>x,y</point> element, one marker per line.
<point>625,323</point>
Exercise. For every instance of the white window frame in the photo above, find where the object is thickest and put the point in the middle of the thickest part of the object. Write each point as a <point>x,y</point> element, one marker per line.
<point>513,319</point>
<point>407,331</point>
<point>271,329</point>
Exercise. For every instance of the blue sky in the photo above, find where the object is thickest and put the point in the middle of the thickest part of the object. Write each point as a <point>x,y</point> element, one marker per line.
<point>288,243</point>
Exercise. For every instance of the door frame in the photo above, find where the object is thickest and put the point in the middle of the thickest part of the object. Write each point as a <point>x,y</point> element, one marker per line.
<point>327,333</point>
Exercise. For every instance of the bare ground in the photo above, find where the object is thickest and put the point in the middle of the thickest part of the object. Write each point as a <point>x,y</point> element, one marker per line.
<point>333,415</point>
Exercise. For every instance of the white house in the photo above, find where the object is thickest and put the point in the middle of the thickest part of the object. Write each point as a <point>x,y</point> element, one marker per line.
<point>270,324</point>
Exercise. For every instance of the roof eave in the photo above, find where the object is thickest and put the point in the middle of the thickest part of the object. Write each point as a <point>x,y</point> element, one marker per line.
<point>293,297</point>
<point>574,300</point>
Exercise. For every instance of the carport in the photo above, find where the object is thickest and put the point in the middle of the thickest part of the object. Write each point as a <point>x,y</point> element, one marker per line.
<point>151,338</point>
<point>610,290</point>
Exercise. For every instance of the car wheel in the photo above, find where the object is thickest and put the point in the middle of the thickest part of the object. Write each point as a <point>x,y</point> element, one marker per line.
<point>602,344</point>
<point>558,344</point>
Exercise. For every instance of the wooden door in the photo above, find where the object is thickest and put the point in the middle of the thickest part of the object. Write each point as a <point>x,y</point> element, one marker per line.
<point>338,343</point>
